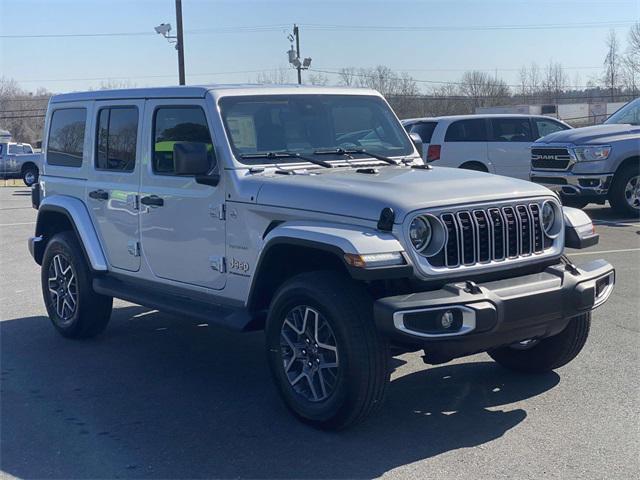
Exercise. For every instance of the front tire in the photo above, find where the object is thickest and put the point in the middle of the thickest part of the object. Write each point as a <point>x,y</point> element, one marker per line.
<point>327,359</point>
<point>75,310</point>
<point>625,191</point>
<point>549,353</point>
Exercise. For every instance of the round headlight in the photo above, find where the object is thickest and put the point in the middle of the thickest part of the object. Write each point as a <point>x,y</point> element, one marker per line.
<point>548,217</point>
<point>419,233</point>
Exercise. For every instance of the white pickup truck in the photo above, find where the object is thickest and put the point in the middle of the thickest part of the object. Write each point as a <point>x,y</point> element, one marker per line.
<point>17,160</point>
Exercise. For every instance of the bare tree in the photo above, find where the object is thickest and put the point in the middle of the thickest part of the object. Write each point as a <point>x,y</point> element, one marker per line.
<point>348,76</point>
<point>22,113</point>
<point>483,90</point>
<point>277,76</point>
<point>612,63</point>
<point>554,81</point>
<point>631,60</point>
<point>318,78</point>
<point>530,81</point>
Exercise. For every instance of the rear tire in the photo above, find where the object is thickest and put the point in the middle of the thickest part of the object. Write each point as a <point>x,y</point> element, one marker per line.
<point>30,176</point>
<point>548,354</point>
<point>475,166</point>
<point>624,195</point>
<point>75,310</point>
<point>354,388</point>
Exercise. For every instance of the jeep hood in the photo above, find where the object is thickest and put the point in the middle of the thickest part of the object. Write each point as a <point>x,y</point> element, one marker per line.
<point>598,134</point>
<point>345,192</point>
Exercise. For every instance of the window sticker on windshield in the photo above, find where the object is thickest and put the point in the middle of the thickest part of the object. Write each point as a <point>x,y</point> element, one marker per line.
<point>243,131</point>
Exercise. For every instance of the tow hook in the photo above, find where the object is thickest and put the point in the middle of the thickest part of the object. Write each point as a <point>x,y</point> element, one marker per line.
<point>569,266</point>
<point>472,287</point>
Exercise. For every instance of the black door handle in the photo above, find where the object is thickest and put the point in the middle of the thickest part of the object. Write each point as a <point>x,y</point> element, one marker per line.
<point>152,200</point>
<point>99,195</point>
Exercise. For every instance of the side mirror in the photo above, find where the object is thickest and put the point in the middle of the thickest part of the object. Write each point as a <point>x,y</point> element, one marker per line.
<point>191,158</point>
<point>417,141</point>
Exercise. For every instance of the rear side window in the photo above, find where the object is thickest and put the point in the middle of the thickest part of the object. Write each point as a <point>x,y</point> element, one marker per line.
<point>66,137</point>
<point>511,130</point>
<point>467,131</point>
<point>177,124</point>
<point>424,129</point>
<point>116,138</point>
<point>545,127</point>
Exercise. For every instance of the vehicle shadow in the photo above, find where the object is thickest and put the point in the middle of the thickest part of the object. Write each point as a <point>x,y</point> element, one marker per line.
<point>157,396</point>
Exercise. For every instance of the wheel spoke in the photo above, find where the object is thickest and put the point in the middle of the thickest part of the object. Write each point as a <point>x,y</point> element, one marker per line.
<point>312,387</point>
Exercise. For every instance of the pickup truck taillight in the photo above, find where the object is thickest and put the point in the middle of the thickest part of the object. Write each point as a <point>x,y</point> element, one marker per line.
<point>433,153</point>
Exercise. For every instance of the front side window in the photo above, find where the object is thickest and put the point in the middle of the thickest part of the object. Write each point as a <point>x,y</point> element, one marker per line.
<point>630,113</point>
<point>467,131</point>
<point>66,137</point>
<point>307,124</point>
<point>511,130</point>
<point>177,124</point>
<point>545,127</point>
<point>116,138</point>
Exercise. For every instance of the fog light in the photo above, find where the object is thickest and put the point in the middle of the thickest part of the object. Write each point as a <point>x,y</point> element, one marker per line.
<point>446,319</point>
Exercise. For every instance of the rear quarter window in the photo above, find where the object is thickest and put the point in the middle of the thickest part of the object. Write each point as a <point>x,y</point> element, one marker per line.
<point>424,129</point>
<point>467,131</point>
<point>66,137</point>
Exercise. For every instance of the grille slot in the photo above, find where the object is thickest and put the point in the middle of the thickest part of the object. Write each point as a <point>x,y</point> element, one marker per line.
<point>550,158</point>
<point>494,234</point>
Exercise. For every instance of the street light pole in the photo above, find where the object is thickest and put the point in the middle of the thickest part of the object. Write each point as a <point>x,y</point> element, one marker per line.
<point>180,43</point>
<point>296,33</point>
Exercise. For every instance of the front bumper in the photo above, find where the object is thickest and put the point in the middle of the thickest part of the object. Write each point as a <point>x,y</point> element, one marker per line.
<point>494,314</point>
<point>573,184</point>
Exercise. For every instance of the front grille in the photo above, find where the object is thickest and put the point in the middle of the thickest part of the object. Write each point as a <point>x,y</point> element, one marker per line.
<point>550,158</point>
<point>492,234</point>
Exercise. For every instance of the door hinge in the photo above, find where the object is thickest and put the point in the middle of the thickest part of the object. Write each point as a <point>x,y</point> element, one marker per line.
<point>134,200</point>
<point>134,248</point>
<point>218,211</point>
<point>218,264</point>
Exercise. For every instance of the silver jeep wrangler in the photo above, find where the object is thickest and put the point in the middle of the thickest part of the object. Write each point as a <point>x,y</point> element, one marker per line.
<point>309,213</point>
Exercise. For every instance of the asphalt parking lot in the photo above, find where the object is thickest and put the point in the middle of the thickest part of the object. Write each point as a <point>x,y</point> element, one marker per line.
<point>159,396</point>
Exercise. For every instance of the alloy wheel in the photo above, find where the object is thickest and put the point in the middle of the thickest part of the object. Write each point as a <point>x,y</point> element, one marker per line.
<point>632,192</point>
<point>63,289</point>
<point>309,353</point>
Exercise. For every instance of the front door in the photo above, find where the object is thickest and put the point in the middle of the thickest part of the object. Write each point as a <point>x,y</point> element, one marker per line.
<point>182,229</point>
<point>114,179</point>
<point>509,144</point>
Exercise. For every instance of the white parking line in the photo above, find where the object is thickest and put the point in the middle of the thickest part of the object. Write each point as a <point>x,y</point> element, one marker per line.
<point>15,224</point>
<point>622,250</point>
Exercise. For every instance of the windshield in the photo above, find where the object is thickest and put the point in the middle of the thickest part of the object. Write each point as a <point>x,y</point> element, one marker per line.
<point>307,124</point>
<point>630,113</point>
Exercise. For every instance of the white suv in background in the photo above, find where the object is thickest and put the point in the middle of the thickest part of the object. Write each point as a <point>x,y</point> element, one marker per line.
<point>491,143</point>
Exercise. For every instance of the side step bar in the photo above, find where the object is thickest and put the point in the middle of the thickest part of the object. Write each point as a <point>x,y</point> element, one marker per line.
<point>226,316</point>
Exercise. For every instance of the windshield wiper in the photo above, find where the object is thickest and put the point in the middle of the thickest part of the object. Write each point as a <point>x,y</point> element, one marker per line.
<point>277,155</point>
<point>356,151</point>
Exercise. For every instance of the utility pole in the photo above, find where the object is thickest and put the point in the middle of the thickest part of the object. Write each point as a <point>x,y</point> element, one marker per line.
<point>180,44</point>
<point>296,33</point>
<point>294,54</point>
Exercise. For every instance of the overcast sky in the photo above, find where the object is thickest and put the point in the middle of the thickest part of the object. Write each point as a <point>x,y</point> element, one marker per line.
<point>221,38</point>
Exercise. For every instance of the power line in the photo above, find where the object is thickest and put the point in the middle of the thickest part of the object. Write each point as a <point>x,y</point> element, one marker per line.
<point>329,27</point>
<point>394,28</point>
<point>202,31</point>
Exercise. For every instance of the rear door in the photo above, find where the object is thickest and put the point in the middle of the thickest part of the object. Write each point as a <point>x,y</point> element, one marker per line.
<point>509,142</point>
<point>114,180</point>
<point>465,141</point>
